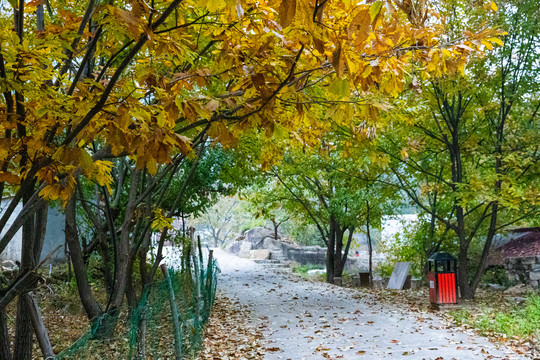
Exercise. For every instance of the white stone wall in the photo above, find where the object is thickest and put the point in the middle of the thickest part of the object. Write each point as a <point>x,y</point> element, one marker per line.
<point>13,250</point>
<point>54,235</point>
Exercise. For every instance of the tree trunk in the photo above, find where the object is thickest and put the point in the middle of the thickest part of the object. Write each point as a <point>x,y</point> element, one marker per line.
<point>91,306</point>
<point>23,332</point>
<point>463,262</point>
<point>23,326</point>
<point>125,258</point>
<point>131,294</point>
<point>330,252</point>
<point>482,266</point>
<point>370,246</point>
<point>106,259</point>
<point>141,334</point>
<point>276,226</point>
<point>338,261</point>
<point>5,348</point>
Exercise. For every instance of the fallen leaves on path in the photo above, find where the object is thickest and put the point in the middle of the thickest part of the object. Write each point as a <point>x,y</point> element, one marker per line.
<point>230,335</point>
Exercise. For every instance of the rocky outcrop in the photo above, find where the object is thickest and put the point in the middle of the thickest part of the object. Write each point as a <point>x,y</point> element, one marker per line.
<point>252,241</point>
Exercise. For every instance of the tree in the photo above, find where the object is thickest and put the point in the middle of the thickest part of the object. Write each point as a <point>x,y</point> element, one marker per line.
<point>469,159</point>
<point>317,183</point>
<point>264,204</point>
<point>84,84</point>
<point>220,219</point>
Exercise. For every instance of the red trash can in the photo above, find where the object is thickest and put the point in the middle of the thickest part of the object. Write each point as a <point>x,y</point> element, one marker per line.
<point>442,279</point>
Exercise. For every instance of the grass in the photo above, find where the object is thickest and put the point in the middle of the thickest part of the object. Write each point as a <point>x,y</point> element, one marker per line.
<point>302,271</point>
<point>520,320</point>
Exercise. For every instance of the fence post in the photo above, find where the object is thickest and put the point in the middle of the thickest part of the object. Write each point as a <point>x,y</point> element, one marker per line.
<point>196,278</point>
<point>174,311</point>
<point>208,285</point>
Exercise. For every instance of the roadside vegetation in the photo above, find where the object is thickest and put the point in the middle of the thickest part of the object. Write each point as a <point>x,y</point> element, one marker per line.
<point>519,318</point>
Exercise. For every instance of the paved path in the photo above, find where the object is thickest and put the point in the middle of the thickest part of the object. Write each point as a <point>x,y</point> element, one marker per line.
<point>320,321</point>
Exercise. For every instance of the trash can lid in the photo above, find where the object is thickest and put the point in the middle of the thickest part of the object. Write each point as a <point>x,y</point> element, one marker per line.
<point>441,256</point>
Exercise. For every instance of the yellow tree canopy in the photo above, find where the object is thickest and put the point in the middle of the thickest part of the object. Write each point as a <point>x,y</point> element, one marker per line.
<point>143,79</point>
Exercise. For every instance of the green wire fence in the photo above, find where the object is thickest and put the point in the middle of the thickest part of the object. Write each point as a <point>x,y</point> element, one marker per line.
<point>167,324</point>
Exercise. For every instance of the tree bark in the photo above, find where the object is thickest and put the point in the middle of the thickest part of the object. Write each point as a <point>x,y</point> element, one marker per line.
<point>38,325</point>
<point>330,251</point>
<point>23,332</point>
<point>5,348</point>
<point>91,306</point>
<point>23,326</point>
<point>125,257</point>
<point>276,226</point>
<point>370,244</point>
<point>338,269</point>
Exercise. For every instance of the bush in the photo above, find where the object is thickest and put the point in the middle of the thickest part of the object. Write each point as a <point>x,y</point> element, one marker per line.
<point>496,275</point>
<point>521,320</point>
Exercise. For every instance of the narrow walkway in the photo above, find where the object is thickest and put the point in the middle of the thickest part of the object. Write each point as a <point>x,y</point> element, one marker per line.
<point>320,321</point>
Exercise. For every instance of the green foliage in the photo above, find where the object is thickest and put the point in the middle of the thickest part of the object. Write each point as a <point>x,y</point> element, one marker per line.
<point>210,180</point>
<point>252,223</point>
<point>521,320</point>
<point>415,244</point>
<point>303,269</point>
<point>464,146</point>
<point>496,275</point>
<point>301,231</point>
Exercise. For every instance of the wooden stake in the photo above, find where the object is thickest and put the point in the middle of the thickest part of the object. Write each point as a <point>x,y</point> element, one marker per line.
<point>196,277</point>
<point>39,327</point>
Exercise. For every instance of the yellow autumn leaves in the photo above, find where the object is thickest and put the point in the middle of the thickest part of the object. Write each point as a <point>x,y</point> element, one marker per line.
<point>221,67</point>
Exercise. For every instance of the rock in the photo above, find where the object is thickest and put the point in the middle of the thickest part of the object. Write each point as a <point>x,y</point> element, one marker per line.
<point>529,260</point>
<point>417,284</point>
<point>245,249</point>
<point>316,272</point>
<point>8,264</point>
<point>518,289</point>
<point>534,275</point>
<point>534,284</point>
<point>380,283</point>
<point>9,269</point>
<point>263,254</point>
<point>496,287</point>
<point>256,236</point>
<point>234,248</point>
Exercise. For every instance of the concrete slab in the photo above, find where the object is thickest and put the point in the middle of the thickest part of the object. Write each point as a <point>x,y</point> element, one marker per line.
<point>399,276</point>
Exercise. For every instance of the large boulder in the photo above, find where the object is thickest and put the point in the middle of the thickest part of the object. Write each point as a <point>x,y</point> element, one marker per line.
<point>257,236</point>
<point>234,247</point>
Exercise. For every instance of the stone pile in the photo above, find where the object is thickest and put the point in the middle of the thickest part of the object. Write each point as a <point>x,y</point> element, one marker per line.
<point>523,270</point>
<point>259,244</point>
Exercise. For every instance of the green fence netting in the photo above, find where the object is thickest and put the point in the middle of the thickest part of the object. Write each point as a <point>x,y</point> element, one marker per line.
<point>150,331</point>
